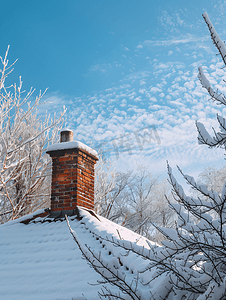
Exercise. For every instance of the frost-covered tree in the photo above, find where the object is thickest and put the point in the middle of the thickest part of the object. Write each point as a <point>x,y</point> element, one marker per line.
<point>139,199</point>
<point>191,264</point>
<point>162,214</point>
<point>109,186</point>
<point>213,178</point>
<point>24,166</point>
<point>104,184</point>
<point>134,199</point>
<point>145,204</point>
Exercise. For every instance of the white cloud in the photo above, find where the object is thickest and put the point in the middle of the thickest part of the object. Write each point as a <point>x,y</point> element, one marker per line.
<point>155,89</point>
<point>138,98</point>
<point>99,67</point>
<point>142,82</point>
<point>123,103</point>
<point>176,41</point>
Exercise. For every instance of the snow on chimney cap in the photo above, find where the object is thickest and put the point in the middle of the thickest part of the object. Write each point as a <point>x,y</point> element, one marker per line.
<point>72,145</point>
<point>66,129</point>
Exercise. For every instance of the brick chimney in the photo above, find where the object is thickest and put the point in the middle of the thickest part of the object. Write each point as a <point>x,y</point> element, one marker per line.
<point>72,175</point>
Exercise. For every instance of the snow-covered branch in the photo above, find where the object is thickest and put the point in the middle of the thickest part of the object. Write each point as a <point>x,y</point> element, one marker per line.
<point>218,97</point>
<point>215,38</point>
<point>219,138</point>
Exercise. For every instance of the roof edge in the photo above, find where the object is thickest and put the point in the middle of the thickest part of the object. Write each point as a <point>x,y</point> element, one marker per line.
<point>27,218</point>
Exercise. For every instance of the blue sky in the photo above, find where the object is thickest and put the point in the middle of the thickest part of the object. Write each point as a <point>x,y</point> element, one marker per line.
<point>126,72</point>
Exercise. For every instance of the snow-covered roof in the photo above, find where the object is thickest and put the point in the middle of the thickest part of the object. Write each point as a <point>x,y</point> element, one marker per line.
<point>40,260</point>
<point>71,145</point>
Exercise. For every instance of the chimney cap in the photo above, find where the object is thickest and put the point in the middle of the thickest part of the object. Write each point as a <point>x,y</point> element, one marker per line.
<point>72,145</point>
<point>66,135</point>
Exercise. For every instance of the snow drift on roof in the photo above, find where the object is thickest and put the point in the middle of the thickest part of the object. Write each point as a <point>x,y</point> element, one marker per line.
<point>40,260</point>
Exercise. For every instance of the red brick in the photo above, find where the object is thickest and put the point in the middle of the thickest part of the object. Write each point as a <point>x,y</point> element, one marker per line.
<point>74,169</point>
